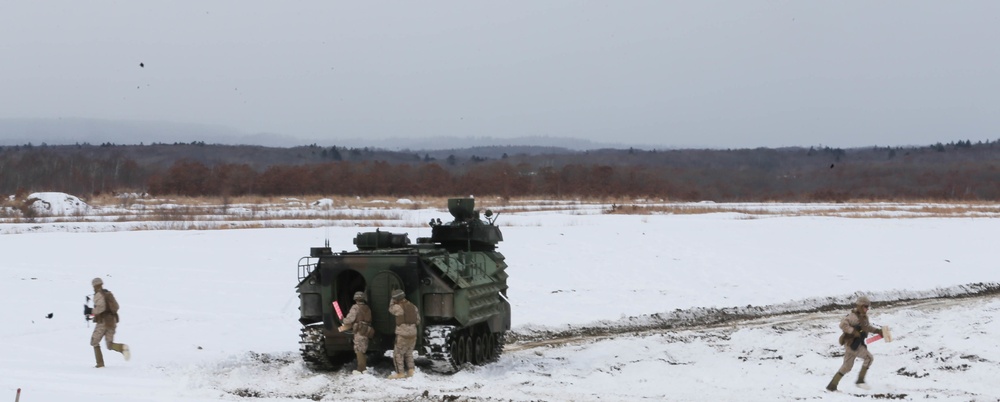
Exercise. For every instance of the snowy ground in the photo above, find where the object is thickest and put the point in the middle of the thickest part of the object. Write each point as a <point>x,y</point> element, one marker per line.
<point>605,307</point>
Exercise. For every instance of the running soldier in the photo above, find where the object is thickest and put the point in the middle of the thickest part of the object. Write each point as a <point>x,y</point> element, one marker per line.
<point>106,316</point>
<point>855,327</point>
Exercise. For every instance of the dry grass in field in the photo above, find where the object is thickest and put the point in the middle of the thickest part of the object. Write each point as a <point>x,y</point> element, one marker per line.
<point>846,210</point>
<point>135,212</point>
<point>335,202</point>
<point>186,213</point>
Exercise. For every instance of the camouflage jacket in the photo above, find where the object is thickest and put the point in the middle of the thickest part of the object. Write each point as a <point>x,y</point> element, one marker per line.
<point>359,319</point>
<point>850,325</point>
<point>105,308</point>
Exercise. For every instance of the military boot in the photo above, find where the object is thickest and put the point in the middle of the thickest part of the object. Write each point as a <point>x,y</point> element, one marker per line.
<point>409,373</point>
<point>99,356</point>
<point>362,362</point>
<point>861,378</point>
<point>833,383</point>
<point>397,375</point>
<point>123,349</point>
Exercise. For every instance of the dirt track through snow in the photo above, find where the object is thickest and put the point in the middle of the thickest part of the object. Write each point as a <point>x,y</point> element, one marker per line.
<point>795,352</point>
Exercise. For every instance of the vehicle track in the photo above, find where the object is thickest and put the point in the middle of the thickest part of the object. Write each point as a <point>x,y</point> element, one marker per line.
<point>715,319</point>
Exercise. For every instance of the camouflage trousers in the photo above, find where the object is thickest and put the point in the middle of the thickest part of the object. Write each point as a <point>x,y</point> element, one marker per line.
<point>851,355</point>
<point>360,343</point>
<point>102,331</point>
<point>402,354</point>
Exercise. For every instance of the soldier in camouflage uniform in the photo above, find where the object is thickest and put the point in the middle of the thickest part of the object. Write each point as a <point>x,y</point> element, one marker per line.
<point>105,314</point>
<point>359,320</point>
<point>855,327</point>
<point>407,320</point>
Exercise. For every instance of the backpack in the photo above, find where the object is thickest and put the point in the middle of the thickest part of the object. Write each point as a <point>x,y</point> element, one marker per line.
<point>111,303</point>
<point>109,300</point>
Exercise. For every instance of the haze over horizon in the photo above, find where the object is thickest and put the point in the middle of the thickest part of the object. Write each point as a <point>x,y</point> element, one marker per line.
<point>660,74</point>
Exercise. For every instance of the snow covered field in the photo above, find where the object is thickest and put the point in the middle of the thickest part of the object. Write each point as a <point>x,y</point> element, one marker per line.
<point>605,307</point>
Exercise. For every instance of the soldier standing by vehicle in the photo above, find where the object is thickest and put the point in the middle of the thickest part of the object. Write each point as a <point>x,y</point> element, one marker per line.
<point>359,319</point>
<point>855,327</point>
<point>407,319</point>
<point>105,314</point>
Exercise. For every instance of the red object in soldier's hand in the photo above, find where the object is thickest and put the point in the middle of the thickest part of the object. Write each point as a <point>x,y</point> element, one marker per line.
<point>340,315</point>
<point>885,332</point>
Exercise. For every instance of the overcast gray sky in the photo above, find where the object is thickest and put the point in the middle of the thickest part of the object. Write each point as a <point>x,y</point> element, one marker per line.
<point>720,74</point>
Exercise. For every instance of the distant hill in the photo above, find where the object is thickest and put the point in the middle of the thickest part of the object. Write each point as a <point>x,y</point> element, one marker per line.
<point>528,144</point>
<point>158,155</point>
<point>70,131</point>
<point>958,170</point>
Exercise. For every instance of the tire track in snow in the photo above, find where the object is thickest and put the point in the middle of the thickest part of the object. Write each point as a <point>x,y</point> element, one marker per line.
<point>699,319</point>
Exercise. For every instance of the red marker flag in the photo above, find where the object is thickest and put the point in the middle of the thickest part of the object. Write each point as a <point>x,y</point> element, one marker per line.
<point>885,331</point>
<point>340,314</point>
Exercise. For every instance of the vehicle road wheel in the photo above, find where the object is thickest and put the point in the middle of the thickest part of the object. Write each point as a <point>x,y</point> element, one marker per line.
<point>466,348</point>
<point>456,351</point>
<point>479,352</point>
<point>488,347</point>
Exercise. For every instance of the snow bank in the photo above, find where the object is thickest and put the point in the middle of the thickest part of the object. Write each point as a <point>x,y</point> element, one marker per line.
<point>56,204</point>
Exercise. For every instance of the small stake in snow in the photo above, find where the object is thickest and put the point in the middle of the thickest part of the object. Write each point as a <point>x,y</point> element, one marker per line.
<point>18,397</point>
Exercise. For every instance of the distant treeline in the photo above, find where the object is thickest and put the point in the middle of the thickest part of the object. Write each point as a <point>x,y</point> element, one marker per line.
<point>959,170</point>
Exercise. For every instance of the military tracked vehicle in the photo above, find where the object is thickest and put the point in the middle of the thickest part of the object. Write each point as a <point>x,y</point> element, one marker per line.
<point>456,278</point>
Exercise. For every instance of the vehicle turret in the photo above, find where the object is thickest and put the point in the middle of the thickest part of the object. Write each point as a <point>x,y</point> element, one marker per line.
<point>467,232</point>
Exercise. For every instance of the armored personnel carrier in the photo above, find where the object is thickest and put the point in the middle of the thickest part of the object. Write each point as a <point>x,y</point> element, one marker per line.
<point>456,278</point>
